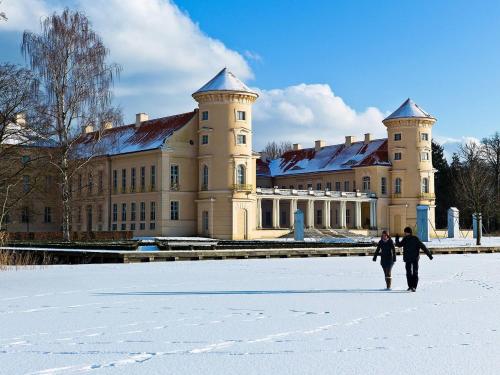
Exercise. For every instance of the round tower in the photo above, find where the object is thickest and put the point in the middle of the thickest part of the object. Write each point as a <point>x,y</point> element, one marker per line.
<point>226,164</point>
<point>409,132</point>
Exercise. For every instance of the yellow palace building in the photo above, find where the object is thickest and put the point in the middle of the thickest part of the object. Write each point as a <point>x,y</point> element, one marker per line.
<point>196,174</point>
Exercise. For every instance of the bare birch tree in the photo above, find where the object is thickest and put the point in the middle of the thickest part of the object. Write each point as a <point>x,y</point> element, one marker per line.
<point>274,150</point>
<point>491,149</point>
<point>69,59</point>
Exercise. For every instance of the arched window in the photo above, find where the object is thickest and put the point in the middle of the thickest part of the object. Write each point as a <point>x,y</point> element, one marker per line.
<point>366,183</point>
<point>397,186</point>
<point>425,185</point>
<point>204,179</point>
<point>240,175</point>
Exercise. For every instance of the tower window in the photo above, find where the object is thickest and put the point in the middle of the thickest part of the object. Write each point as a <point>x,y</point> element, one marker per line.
<point>242,139</point>
<point>397,186</point>
<point>204,139</point>
<point>366,183</point>
<point>240,175</point>
<point>204,181</point>
<point>424,136</point>
<point>425,185</point>
<point>383,185</point>
<point>241,115</point>
<point>397,156</point>
<point>204,115</point>
<point>424,156</point>
<point>397,136</point>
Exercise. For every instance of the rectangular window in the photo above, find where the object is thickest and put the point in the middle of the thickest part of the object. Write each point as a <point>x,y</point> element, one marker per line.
<point>143,178</point>
<point>99,213</point>
<point>115,181</point>
<point>174,177</point>
<point>100,182</point>
<point>115,212</point>
<point>242,139</point>
<point>204,139</point>
<point>424,156</point>
<point>174,210</point>
<point>132,211</point>
<point>79,215</point>
<point>90,186</point>
<point>124,211</point>
<point>354,185</point>
<point>124,180</point>
<point>142,226</point>
<point>204,216</point>
<point>318,186</point>
<point>132,180</point>
<point>346,185</point>
<point>241,115</point>
<point>124,226</point>
<point>48,184</point>
<point>25,159</point>
<point>383,186</point>
<point>132,226</point>
<point>348,216</point>
<point>309,186</point>
<point>26,183</point>
<point>424,136</point>
<point>319,217</point>
<point>113,227</point>
<point>24,215</point>
<point>80,183</point>
<point>47,215</point>
<point>337,186</point>
<point>152,211</point>
<point>291,187</point>
<point>143,212</point>
<point>328,186</point>
<point>397,136</point>
<point>301,186</point>
<point>153,178</point>
<point>397,156</point>
<point>152,226</point>
<point>204,115</point>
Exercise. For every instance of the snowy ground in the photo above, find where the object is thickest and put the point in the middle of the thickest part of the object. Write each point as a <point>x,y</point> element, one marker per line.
<point>278,316</point>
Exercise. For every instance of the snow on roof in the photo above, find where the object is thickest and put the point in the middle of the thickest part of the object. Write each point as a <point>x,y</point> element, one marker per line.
<point>150,135</point>
<point>224,81</point>
<point>409,109</point>
<point>330,158</point>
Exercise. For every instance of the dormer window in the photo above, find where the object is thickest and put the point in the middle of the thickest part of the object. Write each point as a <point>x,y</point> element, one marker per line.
<point>204,115</point>
<point>241,115</point>
<point>397,136</point>
<point>241,139</point>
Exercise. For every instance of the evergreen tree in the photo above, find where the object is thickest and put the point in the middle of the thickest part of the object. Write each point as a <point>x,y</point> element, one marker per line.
<point>443,185</point>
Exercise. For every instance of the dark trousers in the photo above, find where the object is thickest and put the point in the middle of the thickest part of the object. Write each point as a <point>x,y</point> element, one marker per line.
<point>412,274</point>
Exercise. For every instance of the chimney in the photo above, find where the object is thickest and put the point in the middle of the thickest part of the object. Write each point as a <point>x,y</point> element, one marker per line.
<point>368,138</point>
<point>107,125</point>
<point>319,144</point>
<point>87,129</point>
<point>296,147</point>
<point>349,140</point>
<point>139,118</point>
<point>21,119</point>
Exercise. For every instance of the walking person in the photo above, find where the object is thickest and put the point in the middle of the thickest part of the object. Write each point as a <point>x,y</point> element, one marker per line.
<point>387,253</point>
<point>411,254</point>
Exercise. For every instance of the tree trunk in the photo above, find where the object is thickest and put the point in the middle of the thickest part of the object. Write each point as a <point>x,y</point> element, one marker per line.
<point>66,204</point>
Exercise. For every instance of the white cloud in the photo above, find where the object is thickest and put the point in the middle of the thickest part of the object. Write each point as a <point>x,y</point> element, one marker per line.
<point>307,112</point>
<point>23,14</point>
<point>452,145</point>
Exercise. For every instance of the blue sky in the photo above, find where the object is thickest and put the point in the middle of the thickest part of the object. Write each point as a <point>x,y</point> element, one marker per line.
<point>324,69</point>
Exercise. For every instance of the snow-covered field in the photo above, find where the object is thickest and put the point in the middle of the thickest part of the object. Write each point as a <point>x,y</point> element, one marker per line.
<point>279,316</point>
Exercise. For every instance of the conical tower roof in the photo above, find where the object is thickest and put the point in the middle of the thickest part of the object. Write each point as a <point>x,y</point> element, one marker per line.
<point>224,81</point>
<point>409,109</point>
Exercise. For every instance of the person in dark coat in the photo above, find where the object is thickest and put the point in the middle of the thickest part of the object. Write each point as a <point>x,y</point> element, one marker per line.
<point>387,253</point>
<point>411,254</point>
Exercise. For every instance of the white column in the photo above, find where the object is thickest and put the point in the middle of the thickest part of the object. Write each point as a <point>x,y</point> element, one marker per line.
<point>259,213</point>
<point>357,217</point>
<point>276,213</point>
<point>293,208</point>
<point>342,214</point>
<point>310,213</point>
<point>373,214</point>
<point>326,214</point>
